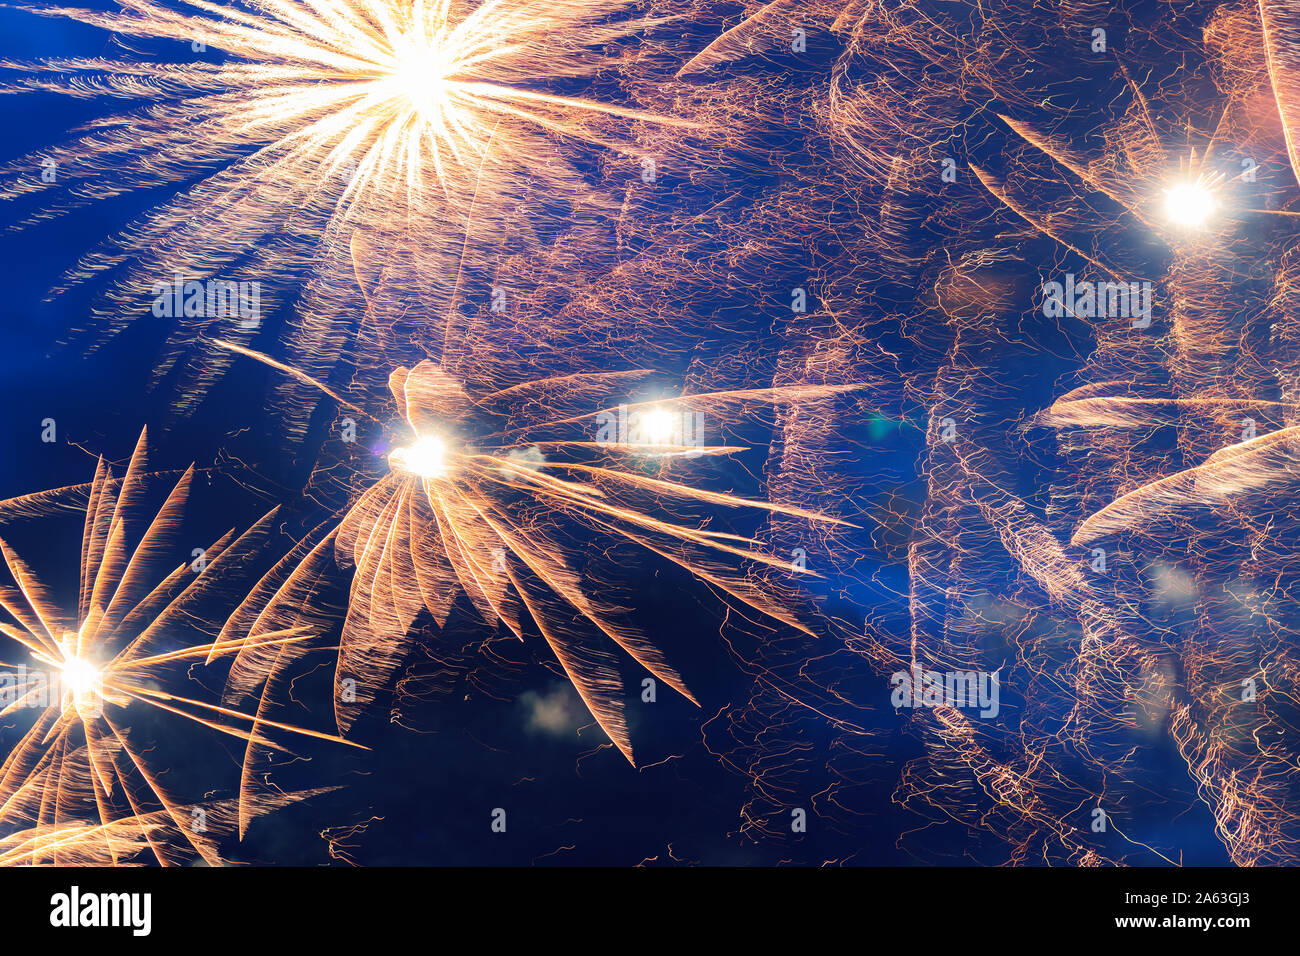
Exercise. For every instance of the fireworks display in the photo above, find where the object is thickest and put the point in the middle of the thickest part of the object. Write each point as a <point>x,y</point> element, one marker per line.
<point>829,431</point>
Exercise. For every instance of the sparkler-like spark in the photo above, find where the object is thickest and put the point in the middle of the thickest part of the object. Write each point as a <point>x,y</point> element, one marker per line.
<point>79,786</point>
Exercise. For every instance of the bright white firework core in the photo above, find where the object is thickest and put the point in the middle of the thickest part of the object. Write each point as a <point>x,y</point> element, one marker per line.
<point>1189,204</point>
<point>658,427</point>
<point>427,457</point>
<point>418,74</point>
<point>81,678</point>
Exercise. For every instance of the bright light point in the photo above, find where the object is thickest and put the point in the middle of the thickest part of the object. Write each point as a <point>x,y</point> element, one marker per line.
<point>426,458</point>
<point>658,426</point>
<point>1189,204</point>
<point>419,74</point>
<point>81,676</point>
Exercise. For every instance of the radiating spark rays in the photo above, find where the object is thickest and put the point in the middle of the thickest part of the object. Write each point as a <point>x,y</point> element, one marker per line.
<point>323,122</point>
<point>398,90</point>
<point>76,762</point>
<point>501,531</point>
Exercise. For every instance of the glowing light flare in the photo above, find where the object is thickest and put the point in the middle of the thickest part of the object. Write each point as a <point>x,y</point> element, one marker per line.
<point>659,427</point>
<point>425,458</point>
<point>1190,204</point>
<point>419,74</point>
<point>84,681</point>
<point>82,677</point>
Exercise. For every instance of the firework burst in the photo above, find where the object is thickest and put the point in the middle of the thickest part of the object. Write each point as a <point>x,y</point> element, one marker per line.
<point>326,130</point>
<point>482,501</point>
<point>79,785</point>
